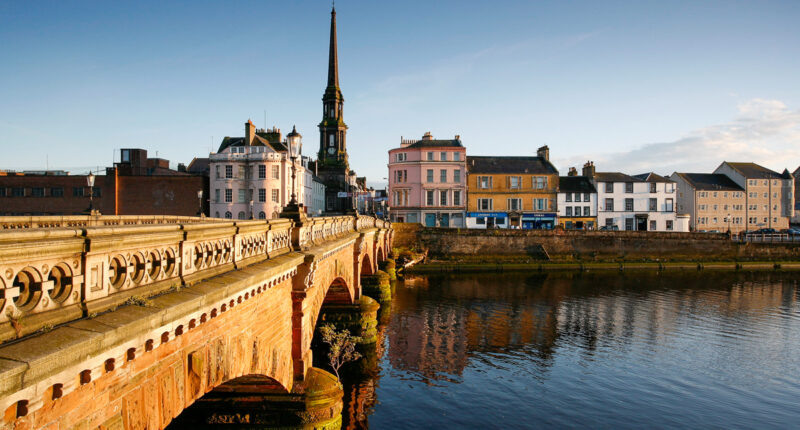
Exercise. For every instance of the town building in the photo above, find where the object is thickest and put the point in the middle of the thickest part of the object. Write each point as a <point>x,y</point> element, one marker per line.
<point>251,176</point>
<point>427,181</point>
<point>796,216</point>
<point>769,195</point>
<point>644,202</point>
<point>714,202</point>
<point>136,185</point>
<point>512,192</point>
<point>577,202</point>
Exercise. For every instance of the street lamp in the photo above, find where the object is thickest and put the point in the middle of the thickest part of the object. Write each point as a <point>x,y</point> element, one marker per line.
<point>251,209</point>
<point>294,140</point>
<point>90,182</point>
<point>200,203</point>
<point>728,218</point>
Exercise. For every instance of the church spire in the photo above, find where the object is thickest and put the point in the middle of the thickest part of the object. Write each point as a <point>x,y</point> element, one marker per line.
<point>333,60</point>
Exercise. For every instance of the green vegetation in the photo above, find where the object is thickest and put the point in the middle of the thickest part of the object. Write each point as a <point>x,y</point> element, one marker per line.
<point>342,347</point>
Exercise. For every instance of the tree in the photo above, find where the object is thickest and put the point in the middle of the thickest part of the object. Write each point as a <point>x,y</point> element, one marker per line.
<point>342,346</point>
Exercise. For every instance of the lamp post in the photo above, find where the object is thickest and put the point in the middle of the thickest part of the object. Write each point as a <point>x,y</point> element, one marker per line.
<point>294,140</point>
<point>728,218</point>
<point>200,203</point>
<point>90,183</point>
<point>251,209</point>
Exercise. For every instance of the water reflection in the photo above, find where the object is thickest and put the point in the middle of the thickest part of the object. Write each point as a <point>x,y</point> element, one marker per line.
<point>584,349</point>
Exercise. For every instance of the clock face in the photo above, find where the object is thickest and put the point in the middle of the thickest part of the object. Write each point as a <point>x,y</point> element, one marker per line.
<point>331,150</point>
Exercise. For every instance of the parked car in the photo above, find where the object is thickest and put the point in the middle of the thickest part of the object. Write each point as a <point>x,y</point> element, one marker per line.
<point>794,231</point>
<point>765,231</point>
<point>610,227</point>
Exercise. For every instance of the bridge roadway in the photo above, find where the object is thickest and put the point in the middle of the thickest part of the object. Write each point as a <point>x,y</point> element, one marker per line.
<point>123,322</point>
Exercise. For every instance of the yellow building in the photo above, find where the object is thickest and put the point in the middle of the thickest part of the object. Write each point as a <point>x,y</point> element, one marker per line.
<point>512,192</point>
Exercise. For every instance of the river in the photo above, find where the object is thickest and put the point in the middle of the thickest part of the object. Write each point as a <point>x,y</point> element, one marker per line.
<point>598,350</point>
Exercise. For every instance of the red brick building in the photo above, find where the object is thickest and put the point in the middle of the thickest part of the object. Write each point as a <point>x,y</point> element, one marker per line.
<point>137,185</point>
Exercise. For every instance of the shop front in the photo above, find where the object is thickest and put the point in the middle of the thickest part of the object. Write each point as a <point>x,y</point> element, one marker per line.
<point>577,223</point>
<point>487,220</point>
<point>538,221</point>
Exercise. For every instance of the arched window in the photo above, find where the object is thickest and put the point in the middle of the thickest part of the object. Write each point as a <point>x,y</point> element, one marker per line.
<point>228,215</point>
<point>241,215</point>
<point>216,214</point>
<point>262,215</point>
<point>275,215</point>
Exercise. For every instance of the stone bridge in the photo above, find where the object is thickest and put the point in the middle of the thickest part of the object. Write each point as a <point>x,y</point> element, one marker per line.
<point>124,322</point>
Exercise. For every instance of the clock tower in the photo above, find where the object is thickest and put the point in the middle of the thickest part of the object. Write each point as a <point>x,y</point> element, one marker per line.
<point>333,164</point>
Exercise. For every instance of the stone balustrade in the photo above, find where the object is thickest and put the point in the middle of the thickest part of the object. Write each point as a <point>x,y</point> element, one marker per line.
<point>58,269</point>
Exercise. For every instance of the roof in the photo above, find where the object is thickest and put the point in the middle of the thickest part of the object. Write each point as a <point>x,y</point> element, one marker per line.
<point>538,165</point>
<point>710,181</point>
<point>575,184</point>
<point>435,143</point>
<point>258,140</point>
<point>614,177</point>
<point>651,177</point>
<point>754,171</point>
<point>198,166</point>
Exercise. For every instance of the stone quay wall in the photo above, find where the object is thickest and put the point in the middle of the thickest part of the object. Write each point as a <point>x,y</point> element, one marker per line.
<point>521,245</point>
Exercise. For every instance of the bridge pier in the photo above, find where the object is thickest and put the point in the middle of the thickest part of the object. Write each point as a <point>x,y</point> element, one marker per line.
<point>361,319</point>
<point>377,286</point>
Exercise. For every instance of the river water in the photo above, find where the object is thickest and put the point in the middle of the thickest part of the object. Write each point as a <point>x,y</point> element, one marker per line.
<point>597,350</point>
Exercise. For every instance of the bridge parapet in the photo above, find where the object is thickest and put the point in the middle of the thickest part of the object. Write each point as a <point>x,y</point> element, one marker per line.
<point>55,270</point>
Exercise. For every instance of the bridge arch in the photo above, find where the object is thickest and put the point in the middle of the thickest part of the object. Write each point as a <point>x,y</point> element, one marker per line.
<point>367,265</point>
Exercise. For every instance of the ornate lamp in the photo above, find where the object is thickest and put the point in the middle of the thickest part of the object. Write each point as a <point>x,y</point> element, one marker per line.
<point>295,143</point>
<point>90,183</point>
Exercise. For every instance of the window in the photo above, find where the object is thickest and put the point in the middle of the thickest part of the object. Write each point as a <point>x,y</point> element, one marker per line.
<point>456,198</point>
<point>276,172</point>
<point>54,192</point>
<point>610,205</point>
<point>540,204</point>
<point>577,197</point>
<point>629,205</point>
<point>429,197</point>
<point>653,188</point>
<point>443,175</point>
<point>262,171</point>
<point>540,182</point>
<point>443,198</point>
<point>241,215</point>
<point>569,197</point>
<point>569,211</point>
<point>430,156</point>
<point>609,222</point>
<point>242,196</point>
<point>587,197</point>
<point>262,215</point>
<point>515,204</point>
<point>456,156</point>
<point>629,187</point>
<point>216,196</point>
<point>609,187</point>
<point>401,156</point>
<point>97,192</point>
<point>76,192</point>
<point>430,175</point>
<point>652,225</point>
<point>275,197</point>
<point>587,211</point>
<point>228,215</point>
<point>457,175</point>
<point>228,196</point>
<point>669,225</point>
<point>443,156</point>
<point>514,182</point>
<point>484,204</point>
<point>653,206</point>
<point>262,195</point>
<point>484,182</point>
<point>628,223</point>
<point>228,171</point>
<point>668,206</point>
<point>37,192</point>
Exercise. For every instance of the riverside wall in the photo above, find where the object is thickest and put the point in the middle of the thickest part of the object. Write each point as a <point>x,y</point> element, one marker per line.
<point>558,245</point>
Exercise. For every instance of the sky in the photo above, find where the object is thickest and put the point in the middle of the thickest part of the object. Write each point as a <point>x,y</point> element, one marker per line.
<point>634,86</point>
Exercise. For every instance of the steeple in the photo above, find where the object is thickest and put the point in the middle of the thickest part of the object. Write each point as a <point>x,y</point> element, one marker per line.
<point>333,60</point>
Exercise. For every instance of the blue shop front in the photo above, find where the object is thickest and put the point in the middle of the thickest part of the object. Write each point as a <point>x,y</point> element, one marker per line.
<point>538,221</point>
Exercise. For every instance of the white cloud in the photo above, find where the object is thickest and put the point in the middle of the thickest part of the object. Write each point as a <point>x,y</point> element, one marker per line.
<point>764,131</point>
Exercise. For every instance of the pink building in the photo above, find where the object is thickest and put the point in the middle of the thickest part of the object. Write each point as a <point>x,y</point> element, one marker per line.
<point>427,182</point>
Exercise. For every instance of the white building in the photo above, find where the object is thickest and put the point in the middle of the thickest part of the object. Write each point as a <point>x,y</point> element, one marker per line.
<point>644,202</point>
<point>251,176</point>
<point>576,202</point>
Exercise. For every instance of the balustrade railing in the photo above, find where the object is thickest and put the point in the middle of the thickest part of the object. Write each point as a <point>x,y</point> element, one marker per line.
<point>57,269</point>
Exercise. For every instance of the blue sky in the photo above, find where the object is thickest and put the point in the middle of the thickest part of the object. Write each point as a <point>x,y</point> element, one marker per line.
<point>635,86</point>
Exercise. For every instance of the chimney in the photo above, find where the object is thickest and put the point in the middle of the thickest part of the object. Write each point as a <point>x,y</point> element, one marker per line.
<point>543,152</point>
<point>588,169</point>
<point>249,132</point>
<point>458,137</point>
<point>427,136</point>
<point>572,172</point>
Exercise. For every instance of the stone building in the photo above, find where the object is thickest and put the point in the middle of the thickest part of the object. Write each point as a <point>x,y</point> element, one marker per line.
<point>769,195</point>
<point>644,202</point>
<point>251,176</point>
<point>512,192</point>
<point>796,216</point>
<point>427,181</point>
<point>714,202</point>
<point>136,185</point>
<point>577,202</point>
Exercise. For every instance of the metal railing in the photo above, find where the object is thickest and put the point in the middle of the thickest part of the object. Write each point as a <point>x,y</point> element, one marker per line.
<point>767,238</point>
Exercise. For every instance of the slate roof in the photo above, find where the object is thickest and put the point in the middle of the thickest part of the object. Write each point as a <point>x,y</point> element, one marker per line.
<point>710,181</point>
<point>435,143</point>
<point>258,140</point>
<point>537,165</point>
<point>754,171</point>
<point>575,184</point>
<point>615,177</point>
<point>651,177</point>
<point>199,166</point>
